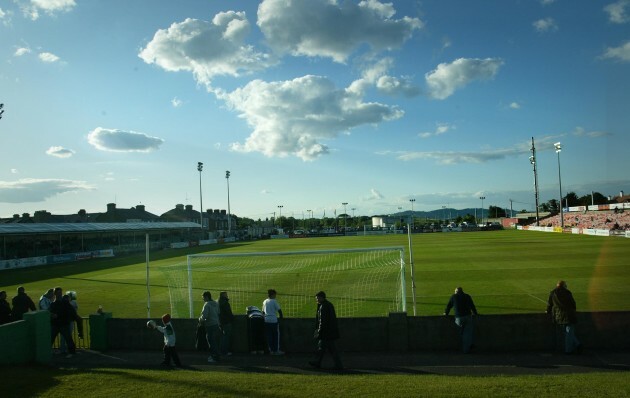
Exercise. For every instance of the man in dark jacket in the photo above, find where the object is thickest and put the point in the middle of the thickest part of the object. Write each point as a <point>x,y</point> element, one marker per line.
<point>464,308</point>
<point>5,309</point>
<point>22,304</point>
<point>561,306</point>
<point>226,317</point>
<point>326,331</point>
<point>62,315</point>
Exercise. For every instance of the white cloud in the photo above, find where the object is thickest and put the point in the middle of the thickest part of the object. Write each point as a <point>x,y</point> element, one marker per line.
<point>453,157</point>
<point>48,57</point>
<point>621,53</point>
<point>374,195</point>
<point>515,105</point>
<point>59,152</point>
<point>439,130</point>
<point>446,78</point>
<point>618,12</point>
<point>295,117</point>
<point>21,51</point>
<point>5,17</point>
<point>14,171</point>
<point>581,132</point>
<point>376,75</point>
<point>38,190</point>
<point>176,102</point>
<point>545,25</point>
<point>324,28</point>
<point>32,8</point>
<point>114,140</point>
<point>206,49</point>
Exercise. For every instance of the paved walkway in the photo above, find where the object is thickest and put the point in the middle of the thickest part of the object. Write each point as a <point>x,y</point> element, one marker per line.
<point>438,363</point>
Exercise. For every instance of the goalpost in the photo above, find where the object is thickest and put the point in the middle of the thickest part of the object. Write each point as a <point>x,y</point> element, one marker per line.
<point>359,282</point>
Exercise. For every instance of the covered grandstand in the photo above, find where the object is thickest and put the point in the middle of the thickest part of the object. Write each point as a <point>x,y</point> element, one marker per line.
<point>41,243</point>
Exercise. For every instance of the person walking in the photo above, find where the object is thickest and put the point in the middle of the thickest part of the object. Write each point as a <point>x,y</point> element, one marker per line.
<point>5,308</point>
<point>464,308</point>
<point>226,318</point>
<point>563,310</point>
<point>169,341</point>
<point>21,304</point>
<point>272,311</point>
<point>210,318</point>
<point>326,331</point>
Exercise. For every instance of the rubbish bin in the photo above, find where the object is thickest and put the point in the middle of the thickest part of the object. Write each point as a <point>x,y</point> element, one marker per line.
<point>255,330</point>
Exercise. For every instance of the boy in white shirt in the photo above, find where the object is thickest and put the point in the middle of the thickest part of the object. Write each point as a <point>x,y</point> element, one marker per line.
<point>270,308</point>
<point>169,341</point>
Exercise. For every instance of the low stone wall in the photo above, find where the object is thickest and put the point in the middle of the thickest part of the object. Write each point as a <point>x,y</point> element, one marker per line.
<point>398,332</point>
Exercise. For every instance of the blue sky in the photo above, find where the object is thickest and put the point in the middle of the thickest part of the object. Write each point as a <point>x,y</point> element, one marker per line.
<point>310,104</point>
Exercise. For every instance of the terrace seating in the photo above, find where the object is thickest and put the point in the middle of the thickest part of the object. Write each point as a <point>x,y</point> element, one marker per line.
<point>610,220</point>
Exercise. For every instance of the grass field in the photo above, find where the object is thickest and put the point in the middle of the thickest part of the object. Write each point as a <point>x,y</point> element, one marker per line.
<point>505,272</point>
<point>104,382</point>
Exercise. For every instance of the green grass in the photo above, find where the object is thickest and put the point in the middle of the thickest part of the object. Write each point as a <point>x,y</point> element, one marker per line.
<point>505,271</point>
<point>43,381</point>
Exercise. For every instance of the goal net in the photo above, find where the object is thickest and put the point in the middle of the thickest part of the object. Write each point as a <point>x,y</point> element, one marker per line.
<point>359,282</point>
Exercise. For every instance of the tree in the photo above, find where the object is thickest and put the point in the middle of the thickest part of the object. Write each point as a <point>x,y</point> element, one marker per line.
<point>571,199</point>
<point>495,212</point>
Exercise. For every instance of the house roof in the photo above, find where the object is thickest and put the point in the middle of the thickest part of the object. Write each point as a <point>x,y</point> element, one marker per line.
<point>44,228</point>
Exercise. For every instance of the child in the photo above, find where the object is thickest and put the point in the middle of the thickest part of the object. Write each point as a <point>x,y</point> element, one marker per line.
<point>169,341</point>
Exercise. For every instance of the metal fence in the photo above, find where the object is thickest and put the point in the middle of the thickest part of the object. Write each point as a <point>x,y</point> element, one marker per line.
<point>80,343</point>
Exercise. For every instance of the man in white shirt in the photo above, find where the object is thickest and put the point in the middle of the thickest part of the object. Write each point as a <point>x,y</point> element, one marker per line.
<point>210,318</point>
<point>273,312</point>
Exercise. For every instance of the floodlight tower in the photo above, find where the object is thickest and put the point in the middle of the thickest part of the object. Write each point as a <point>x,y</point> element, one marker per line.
<point>482,198</point>
<point>200,168</point>
<point>532,160</point>
<point>280,215</point>
<point>345,217</point>
<point>558,147</point>
<point>413,222</point>
<point>227,178</point>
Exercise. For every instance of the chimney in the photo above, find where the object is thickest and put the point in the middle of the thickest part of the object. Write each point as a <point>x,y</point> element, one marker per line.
<point>189,208</point>
<point>621,194</point>
<point>111,207</point>
<point>223,212</point>
<point>140,207</point>
<point>25,215</point>
<point>208,211</point>
<point>16,216</point>
<point>216,211</point>
<point>179,207</point>
<point>82,212</point>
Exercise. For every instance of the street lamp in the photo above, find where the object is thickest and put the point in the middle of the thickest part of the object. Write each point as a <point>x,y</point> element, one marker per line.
<point>280,215</point>
<point>345,217</point>
<point>227,178</point>
<point>412,220</point>
<point>532,160</point>
<point>558,147</point>
<point>482,198</point>
<point>444,213</point>
<point>200,168</point>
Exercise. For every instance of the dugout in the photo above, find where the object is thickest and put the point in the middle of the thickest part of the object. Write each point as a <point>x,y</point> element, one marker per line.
<point>56,239</point>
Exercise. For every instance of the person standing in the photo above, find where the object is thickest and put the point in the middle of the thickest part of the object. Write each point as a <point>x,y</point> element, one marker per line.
<point>46,300</point>
<point>464,308</point>
<point>70,297</point>
<point>169,341</point>
<point>272,311</point>
<point>5,308</point>
<point>326,331</point>
<point>226,317</point>
<point>22,304</point>
<point>561,306</point>
<point>210,318</point>
<point>62,315</point>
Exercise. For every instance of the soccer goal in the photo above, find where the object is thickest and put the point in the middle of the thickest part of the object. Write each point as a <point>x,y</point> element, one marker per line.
<point>359,282</point>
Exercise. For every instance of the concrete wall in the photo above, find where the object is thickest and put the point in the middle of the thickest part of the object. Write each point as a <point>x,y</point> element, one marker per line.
<point>27,340</point>
<point>398,332</point>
